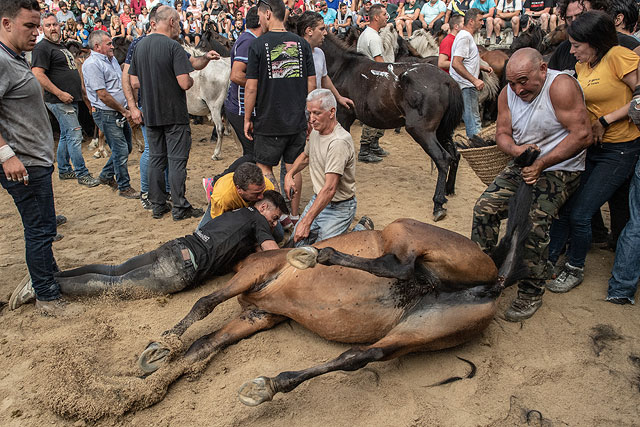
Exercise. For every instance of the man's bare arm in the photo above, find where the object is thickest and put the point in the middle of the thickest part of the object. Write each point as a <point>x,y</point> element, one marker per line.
<point>239,73</point>
<point>185,81</point>
<point>250,93</point>
<point>109,101</point>
<point>323,198</point>
<point>456,63</point>
<point>48,85</point>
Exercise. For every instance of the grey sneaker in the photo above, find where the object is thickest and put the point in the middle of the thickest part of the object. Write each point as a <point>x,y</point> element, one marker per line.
<point>88,180</point>
<point>568,278</point>
<point>22,294</point>
<point>53,308</point>
<point>523,307</point>
<point>368,157</point>
<point>67,175</point>
<point>144,200</point>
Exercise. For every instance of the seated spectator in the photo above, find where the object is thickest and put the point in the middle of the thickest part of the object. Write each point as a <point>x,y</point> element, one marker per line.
<point>246,5</point>
<point>539,11</point>
<point>125,16</point>
<point>143,17</point>
<point>70,31</point>
<point>507,16</point>
<point>607,73</point>
<point>116,29</point>
<point>392,11</point>
<point>64,14</point>
<point>344,19</point>
<point>192,30</point>
<point>238,28</point>
<point>208,23</point>
<point>99,25</point>
<point>362,18</point>
<point>239,17</point>
<point>82,34</point>
<point>195,10</point>
<point>444,52</point>
<point>405,18</point>
<point>329,15</point>
<point>431,16</point>
<point>625,15</point>
<point>134,29</point>
<point>89,17</point>
<point>487,9</point>
<point>138,5</point>
<point>216,8</point>
<point>224,24</point>
<point>181,12</point>
<point>455,7</point>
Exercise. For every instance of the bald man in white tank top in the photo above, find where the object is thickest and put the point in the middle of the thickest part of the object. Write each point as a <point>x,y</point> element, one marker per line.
<point>543,109</point>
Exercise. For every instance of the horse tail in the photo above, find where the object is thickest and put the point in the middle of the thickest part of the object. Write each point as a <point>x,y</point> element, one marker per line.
<point>508,254</point>
<point>452,115</point>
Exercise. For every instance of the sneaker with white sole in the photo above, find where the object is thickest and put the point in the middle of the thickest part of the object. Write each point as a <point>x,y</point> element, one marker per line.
<point>22,294</point>
<point>523,307</point>
<point>568,278</point>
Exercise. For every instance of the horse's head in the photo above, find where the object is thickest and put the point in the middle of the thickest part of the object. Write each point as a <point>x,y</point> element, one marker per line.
<point>531,38</point>
<point>211,40</point>
<point>424,43</point>
<point>120,48</point>
<point>554,38</point>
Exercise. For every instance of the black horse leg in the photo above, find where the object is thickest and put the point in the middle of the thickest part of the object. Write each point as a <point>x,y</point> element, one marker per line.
<point>453,169</point>
<point>262,389</point>
<point>345,118</point>
<point>429,143</point>
<point>387,265</point>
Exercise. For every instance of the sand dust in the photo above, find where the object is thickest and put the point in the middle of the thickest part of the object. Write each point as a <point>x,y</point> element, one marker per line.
<point>548,370</point>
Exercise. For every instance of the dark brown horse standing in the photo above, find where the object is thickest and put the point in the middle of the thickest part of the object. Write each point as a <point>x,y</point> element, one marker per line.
<point>409,287</point>
<point>420,97</point>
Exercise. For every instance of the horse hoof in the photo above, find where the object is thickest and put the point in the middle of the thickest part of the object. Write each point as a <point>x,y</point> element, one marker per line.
<point>215,158</point>
<point>303,257</point>
<point>440,214</point>
<point>256,391</point>
<point>153,357</point>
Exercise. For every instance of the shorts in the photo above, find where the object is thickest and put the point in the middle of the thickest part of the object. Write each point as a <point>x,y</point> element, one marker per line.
<point>269,149</point>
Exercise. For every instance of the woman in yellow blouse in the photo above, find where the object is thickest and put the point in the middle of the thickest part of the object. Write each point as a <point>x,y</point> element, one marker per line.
<point>608,75</point>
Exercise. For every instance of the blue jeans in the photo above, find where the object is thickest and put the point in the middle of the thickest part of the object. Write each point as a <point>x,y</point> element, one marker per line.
<point>608,166</point>
<point>626,267</point>
<point>35,204</point>
<point>70,144</point>
<point>334,220</point>
<point>471,112</point>
<point>119,140</point>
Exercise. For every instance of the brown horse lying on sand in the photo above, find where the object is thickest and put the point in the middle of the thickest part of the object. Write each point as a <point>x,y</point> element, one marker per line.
<point>409,287</point>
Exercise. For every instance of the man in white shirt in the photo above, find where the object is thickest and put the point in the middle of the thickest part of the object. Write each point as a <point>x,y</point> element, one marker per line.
<point>465,69</point>
<point>507,15</point>
<point>370,44</point>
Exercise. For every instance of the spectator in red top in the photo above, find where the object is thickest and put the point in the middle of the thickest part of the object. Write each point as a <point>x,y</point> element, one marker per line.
<point>125,17</point>
<point>99,25</point>
<point>137,6</point>
<point>444,54</point>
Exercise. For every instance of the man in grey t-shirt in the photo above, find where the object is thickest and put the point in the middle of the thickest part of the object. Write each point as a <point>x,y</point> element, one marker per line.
<point>370,44</point>
<point>26,150</point>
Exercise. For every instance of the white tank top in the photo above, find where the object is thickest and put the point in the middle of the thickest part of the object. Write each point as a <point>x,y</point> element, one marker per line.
<point>535,122</point>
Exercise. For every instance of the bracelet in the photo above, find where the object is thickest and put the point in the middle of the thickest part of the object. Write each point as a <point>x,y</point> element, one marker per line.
<point>604,122</point>
<point>6,153</point>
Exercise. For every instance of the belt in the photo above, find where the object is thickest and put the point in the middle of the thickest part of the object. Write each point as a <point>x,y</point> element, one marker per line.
<point>187,256</point>
<point>345,200</point>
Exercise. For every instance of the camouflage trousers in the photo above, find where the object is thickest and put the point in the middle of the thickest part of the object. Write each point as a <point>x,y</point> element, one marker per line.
<point>370,135</point>
<point>550,192</point>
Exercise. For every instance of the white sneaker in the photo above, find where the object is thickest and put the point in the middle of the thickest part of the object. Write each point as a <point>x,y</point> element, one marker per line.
<point>23,294</point>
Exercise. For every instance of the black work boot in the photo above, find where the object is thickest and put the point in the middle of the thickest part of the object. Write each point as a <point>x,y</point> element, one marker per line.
<point>377,150</point>
<point>366,155</point>
<point>523,307</point>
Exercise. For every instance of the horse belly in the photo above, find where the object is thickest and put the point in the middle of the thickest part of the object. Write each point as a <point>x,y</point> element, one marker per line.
<point>337,303</point>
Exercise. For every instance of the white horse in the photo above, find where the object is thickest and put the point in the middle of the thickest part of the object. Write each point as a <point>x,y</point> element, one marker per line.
<point>206,97</point>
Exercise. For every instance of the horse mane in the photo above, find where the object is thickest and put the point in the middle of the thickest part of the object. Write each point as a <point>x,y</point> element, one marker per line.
<point>389,43</point>
<point>533,37</point>
<point>423,43</point>
<point>341,46</point>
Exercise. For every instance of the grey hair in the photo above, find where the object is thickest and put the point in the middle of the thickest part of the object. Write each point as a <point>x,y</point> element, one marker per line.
<point>326,98</point>
<point>96,37</point>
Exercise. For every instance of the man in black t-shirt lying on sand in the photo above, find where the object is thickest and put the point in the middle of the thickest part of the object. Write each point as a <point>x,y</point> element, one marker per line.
<point>180,263</point>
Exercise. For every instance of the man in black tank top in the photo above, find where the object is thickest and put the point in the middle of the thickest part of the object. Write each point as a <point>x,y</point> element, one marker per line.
<point>526,74</point>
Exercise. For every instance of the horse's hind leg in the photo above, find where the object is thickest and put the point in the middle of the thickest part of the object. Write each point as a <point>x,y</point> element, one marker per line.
<point>262,389</point>
<point>453,168</point>
<point>246,324</point>
<point>429,143</point>
<point>387,265</point>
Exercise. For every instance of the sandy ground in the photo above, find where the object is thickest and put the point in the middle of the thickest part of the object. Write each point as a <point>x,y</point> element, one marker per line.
<point>546,367</point>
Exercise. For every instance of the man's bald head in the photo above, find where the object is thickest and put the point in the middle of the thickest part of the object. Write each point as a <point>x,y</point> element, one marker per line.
<point>165,13</point>
<point>525,58</point>
<point>526,73</point>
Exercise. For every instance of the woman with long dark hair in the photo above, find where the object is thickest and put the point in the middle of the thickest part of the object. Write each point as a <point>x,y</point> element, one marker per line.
<point>608,75</point>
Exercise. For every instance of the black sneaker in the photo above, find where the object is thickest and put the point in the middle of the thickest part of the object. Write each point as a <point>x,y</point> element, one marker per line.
<point>88,180</point>
<point>144,200</point>
<point>189,212</point>
<point>366,222</point>
<point>110,182</point>
<point>379,151</point>
<point>619,301</point>
<point>67,175</point>
<point>368,157</point>
<point>498,39</point>
<point>160,210</point>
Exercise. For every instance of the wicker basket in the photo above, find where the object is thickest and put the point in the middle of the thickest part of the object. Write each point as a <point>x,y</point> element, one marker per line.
<point>486,162</point>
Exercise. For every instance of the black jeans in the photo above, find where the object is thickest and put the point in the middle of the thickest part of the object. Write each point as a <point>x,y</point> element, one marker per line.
<point>35,204</point>
<point>169,146</point>
<point>237,123</point>
<point>162,271</point>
